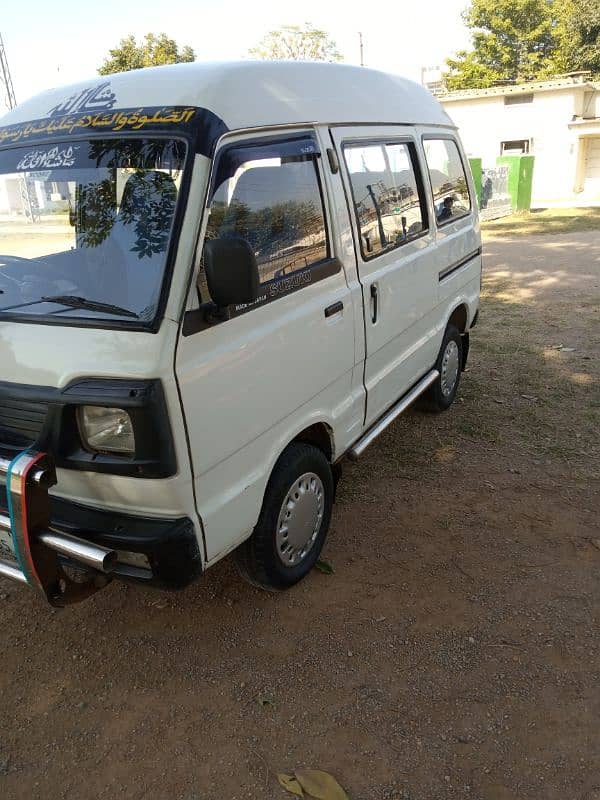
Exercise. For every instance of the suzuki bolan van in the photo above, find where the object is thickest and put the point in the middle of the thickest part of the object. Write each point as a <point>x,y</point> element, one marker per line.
<point>216,282</point>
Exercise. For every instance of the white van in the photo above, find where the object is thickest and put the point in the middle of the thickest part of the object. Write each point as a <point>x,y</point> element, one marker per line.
<point>216,281</point>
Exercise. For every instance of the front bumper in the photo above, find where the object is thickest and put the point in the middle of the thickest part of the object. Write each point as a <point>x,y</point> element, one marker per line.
<point>48,534</point>
<point>170,546</point>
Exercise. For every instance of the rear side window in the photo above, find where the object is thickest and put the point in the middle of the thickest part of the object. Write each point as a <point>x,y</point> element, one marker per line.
<point>388,196</point>
<point>269,194</point>
<point>448,180</point>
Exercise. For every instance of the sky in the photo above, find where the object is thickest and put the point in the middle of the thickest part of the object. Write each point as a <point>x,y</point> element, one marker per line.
<point>47,47</point>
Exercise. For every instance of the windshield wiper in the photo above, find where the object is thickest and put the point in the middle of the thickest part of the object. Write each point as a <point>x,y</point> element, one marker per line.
<point>73,301</point>
<point>89,305</point>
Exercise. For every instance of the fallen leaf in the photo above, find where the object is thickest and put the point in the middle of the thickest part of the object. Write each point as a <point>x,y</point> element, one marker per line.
<point>264,701</point>
<point>445,453</point>
<point>324,567</point>
<point>290,784</point>
<point>529,396</point>
<point>320,785</point>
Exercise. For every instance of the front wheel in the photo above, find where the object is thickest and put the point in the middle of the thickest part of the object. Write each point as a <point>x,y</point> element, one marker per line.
<point>442,391</point>
<point>293,521</point>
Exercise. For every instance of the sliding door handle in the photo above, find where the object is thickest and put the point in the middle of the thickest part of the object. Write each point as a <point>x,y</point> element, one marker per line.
<point>334,309</point>
<point>374,302</point>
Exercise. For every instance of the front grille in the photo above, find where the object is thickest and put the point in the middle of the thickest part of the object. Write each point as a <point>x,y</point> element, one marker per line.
<point>21,421</point>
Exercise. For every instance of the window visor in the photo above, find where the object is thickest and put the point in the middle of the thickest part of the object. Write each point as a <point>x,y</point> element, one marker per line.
<point>231,158</point>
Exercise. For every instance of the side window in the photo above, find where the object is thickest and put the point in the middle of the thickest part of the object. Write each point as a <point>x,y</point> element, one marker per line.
<point>448,179</point>
<point>270,195</point>
<point>388,196</point>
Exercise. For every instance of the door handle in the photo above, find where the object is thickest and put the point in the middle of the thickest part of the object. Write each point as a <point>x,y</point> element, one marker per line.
<point>334,309</point>
<point>374,302</point>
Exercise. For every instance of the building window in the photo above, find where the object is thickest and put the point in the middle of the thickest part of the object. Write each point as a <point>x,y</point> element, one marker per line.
<point>515,147</point>
<point>388,196</point>
<point>448,180</point>
<point>517,99</point>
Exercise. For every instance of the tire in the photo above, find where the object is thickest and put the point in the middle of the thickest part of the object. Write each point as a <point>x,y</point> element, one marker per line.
<point>442,391</point>
<point>302,480</point>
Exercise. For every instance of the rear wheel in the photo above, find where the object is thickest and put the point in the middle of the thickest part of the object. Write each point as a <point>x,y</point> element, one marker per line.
<point>442,391</point>
<point>293,521</point>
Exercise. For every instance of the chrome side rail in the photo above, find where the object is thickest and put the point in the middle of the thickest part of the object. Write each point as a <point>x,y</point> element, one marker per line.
<point>399,408</point>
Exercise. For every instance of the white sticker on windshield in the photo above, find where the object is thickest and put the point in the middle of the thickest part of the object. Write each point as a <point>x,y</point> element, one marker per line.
<point>49,159</point>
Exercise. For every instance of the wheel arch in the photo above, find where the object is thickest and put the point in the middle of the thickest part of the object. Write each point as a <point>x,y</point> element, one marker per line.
<point>319,434</point>
<point>460,317</point>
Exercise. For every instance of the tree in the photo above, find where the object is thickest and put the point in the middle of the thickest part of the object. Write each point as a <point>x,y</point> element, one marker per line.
<point>519,40</point>
<point>513,40</point>
<point>153,51</point>
<point>578,37</point>
<point>295,43</point>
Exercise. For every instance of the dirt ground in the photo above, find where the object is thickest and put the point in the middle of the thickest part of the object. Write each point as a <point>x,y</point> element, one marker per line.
<point>454,651</point>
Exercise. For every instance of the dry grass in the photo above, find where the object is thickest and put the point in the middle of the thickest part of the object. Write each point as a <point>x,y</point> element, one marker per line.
<point>540,408</point>
<point>547,220</point>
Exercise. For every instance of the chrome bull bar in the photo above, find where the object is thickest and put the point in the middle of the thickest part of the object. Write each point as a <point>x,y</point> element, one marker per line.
<point>37,547</point>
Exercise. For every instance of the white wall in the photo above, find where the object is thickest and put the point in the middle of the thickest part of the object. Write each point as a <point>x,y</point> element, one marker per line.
<point>591,103</point>
<point>4,206</point>
<point>10,197</point>
<point>486,122</point>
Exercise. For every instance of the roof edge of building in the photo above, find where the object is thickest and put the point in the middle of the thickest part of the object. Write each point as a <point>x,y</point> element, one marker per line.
<point>562,82</point>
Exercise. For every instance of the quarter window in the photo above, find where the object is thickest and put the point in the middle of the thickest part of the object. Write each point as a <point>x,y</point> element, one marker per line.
<point>388,200</point>
<point>270,196</point>
<point>448,179</point>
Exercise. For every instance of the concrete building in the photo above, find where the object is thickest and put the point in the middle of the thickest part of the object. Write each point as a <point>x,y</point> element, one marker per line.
<point>557,121</point>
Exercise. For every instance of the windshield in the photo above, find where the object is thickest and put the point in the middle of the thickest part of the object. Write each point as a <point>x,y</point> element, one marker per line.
<point>85,227</point>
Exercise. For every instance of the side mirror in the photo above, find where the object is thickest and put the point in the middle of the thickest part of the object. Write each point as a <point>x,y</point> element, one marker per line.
<point>231,271</point>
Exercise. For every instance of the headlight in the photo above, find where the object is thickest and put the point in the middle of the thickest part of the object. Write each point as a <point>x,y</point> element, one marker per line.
<point>106,430</point>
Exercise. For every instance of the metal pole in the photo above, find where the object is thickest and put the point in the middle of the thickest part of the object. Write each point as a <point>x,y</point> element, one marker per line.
<point>10,99</point>
<point>360,39</point>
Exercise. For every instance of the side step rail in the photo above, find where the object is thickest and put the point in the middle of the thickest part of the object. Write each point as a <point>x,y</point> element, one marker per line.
<point>399,408</point>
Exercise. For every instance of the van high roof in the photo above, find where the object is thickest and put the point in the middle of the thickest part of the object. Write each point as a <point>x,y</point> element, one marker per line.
<point>247,94</point>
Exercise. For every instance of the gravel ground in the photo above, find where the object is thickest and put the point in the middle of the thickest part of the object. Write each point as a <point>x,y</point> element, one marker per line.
<point>454,651</point>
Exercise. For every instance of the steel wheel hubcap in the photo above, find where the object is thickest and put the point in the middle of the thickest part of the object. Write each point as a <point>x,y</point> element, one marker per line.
<point>300,519</point>
<point>450,365</point>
